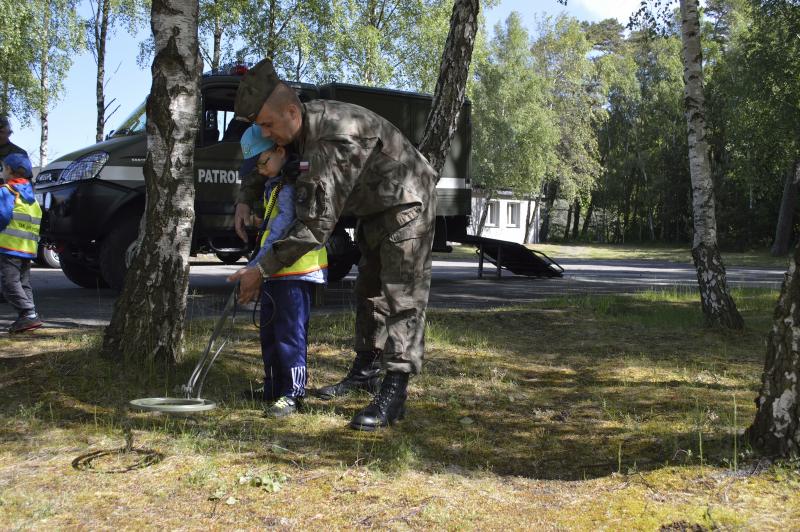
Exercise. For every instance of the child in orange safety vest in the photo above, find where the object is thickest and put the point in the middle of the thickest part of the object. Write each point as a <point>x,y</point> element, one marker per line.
<point>20,216</point>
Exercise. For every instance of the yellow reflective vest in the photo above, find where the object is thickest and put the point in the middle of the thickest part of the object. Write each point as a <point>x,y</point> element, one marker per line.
<point>312,261</point>
<point>20,238</point>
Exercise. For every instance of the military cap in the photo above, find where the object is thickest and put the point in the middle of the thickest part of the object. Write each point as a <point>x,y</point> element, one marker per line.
<point>256,86</point>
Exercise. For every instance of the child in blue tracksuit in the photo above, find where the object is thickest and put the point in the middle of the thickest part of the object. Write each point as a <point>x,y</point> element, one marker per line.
<point>285,295</point>
<point>20,216</point>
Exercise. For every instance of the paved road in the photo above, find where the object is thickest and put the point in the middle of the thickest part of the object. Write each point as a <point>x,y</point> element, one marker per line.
<point>455,284</point>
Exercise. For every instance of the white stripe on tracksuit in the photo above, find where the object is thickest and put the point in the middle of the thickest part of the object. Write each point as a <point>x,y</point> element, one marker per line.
<point>298,381</point>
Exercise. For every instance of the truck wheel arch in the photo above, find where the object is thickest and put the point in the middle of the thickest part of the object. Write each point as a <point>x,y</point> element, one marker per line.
<point>115,249</point>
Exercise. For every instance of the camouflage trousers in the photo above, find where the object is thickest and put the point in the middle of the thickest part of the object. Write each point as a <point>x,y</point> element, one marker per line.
<point>394,280</point>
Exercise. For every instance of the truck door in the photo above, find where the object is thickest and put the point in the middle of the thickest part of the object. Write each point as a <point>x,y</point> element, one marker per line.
<point>217,160</point>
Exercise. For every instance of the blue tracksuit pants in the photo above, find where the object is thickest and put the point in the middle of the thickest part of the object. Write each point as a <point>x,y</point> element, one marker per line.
<point>285,309</point>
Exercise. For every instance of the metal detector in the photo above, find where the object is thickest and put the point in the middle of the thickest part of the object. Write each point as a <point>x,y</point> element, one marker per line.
<point>194,387</point>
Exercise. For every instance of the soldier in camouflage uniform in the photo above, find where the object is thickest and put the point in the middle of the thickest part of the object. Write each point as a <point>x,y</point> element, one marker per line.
<point>361,163</point>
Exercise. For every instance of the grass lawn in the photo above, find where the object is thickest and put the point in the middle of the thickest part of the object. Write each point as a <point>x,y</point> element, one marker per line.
<point>680,254</point>
<point>618,412</point>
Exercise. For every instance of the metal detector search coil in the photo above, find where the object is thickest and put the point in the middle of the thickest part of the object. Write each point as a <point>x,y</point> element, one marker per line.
<point>174,405</point>
<point>189,404</point>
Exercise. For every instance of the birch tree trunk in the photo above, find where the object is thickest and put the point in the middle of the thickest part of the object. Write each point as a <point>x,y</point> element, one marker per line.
<point>587,220</point>
<point>100,38</point>
<point>149,315</point>
<point>530,219</point>
<point>783,228</point>
<point>718,306</point>
<point>4,99</point>
<point>484,212</point>
<point>451,86</point>
<point>44,80</point>
<point>569,221</point>
<point>550,201</point>
<point>217,51</point>
<point>776,428</point>
<point>576,214</point>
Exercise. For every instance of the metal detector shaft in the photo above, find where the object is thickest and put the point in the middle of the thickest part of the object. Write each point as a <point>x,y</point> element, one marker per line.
<point>198,376</point>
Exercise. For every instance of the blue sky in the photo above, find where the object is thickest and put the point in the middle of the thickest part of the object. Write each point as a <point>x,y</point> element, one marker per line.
<point>72,120</point>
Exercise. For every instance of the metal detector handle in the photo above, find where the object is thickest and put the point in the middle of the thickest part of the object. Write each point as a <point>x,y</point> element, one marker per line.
<point>207,360</point>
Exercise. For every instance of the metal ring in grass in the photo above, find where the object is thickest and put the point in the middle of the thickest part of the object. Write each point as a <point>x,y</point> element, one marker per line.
<point>117,460</point>
<point>174,405</point>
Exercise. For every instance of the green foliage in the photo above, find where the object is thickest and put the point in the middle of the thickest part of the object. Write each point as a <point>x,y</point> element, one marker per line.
<point>515,128</point>
<point>751,59</point>
<point>754,118</point>
<point>56,36</point>
<point>645,187</point>
<point>561,57</point>
<point>17,84</point>
<point>127,14</point>
<point>396,43</point>
<point>216,21</point>
<point>294,35</point>
<point>39,41</point>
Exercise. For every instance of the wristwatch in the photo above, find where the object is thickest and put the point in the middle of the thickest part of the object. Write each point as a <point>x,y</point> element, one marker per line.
<point>261,269</point>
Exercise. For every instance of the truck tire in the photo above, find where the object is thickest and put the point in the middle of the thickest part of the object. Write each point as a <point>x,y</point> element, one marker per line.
<point>79,273</point>
<point>229,258</point>
<point>47,256</point>
<point>342,254</point>
<point>115,252</point>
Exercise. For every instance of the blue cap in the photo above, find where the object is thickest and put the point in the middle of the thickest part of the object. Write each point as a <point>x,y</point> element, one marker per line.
<point>253,143</point>
<point>20,165</point>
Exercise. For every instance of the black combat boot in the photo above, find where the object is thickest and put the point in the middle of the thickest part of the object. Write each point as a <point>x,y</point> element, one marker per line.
<point>387,407</point>
<point>364,375</point>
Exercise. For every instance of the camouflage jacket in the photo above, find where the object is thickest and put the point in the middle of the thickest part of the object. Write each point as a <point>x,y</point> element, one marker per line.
<point>359,163</point>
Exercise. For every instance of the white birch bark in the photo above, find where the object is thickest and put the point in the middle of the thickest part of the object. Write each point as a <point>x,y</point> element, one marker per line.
<point>718,306</point>
<point>149,315</point>
<point>776,428</point>
<point>44,82</point>
<point>100,40</point>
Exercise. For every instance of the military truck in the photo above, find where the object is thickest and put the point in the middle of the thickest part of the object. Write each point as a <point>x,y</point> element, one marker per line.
<point>93,198</point>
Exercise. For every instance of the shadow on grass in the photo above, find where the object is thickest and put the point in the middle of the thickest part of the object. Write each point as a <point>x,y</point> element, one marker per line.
<point>559,392</point>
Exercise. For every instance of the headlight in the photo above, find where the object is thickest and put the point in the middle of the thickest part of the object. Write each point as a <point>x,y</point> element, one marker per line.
<point>47,176</point>
<point>86,167</point>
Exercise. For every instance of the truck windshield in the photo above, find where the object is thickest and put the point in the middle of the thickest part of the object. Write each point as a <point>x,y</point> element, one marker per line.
<point>133,124</point>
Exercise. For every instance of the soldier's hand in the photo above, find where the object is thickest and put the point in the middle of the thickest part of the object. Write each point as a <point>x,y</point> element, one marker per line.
<point>249,284</point>
<point>241,217</point>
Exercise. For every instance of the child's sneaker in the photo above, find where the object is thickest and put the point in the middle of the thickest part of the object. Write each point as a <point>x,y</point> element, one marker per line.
<point>285,406</point>
<point>25,323</point>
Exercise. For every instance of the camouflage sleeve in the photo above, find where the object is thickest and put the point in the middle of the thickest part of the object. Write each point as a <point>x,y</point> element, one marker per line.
<point>251,188</point>
<point>320,197</point>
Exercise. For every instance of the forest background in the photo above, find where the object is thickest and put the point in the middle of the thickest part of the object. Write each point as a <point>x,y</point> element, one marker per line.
<point>584,115</point>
